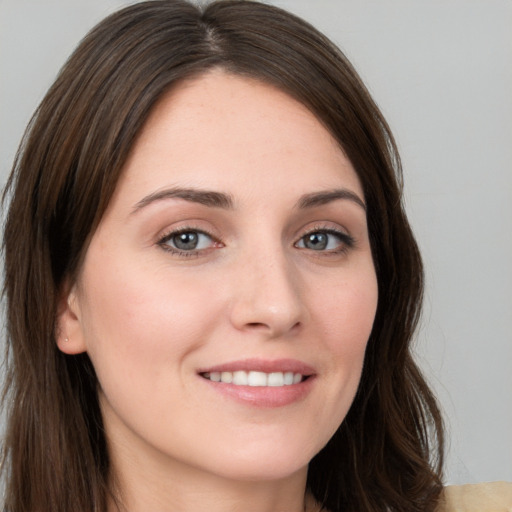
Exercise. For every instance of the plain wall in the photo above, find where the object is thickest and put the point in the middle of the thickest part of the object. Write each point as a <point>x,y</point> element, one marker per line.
<point>441,71</point>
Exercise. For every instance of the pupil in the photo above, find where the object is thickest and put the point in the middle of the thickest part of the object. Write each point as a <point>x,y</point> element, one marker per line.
<point>316,241</point>
<point>186,241</point>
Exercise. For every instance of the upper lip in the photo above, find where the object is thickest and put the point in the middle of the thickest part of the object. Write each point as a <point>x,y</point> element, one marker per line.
<point>262,365</point>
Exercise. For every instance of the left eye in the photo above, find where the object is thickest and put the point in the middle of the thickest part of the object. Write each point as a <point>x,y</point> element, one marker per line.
<point>322,241</point>
<point>188,241</point>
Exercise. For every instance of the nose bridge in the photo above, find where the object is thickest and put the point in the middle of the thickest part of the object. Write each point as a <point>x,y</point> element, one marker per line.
<point>267,295</point>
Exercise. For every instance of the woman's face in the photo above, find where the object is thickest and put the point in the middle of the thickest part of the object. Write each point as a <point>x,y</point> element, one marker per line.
<point>228,294</point>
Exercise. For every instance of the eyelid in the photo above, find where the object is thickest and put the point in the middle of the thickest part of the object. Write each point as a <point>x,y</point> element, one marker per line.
<point>326,227</point>
<point>170,233</point>
<point>347,241</point>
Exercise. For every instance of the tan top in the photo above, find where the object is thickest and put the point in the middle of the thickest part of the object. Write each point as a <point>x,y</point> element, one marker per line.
<point>487,497</point>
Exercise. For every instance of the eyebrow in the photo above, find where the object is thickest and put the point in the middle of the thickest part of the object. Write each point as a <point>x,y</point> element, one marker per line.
<point>225,201</point>
<point>324,197</point>
<point>204,197</point>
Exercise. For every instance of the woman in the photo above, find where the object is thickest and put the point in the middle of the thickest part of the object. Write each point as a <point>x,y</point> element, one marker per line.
<point>211,282</point>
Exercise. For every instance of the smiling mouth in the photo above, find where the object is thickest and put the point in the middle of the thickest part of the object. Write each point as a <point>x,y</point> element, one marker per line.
<point>255,378</point>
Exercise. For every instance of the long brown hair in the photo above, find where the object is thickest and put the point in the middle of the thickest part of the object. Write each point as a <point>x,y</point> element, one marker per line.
<point>387,453</point>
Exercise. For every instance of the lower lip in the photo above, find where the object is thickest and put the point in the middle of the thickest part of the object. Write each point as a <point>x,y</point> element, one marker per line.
<point>264,396</point>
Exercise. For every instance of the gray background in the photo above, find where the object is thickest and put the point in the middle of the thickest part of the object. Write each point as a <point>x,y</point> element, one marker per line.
<point>441,72</point>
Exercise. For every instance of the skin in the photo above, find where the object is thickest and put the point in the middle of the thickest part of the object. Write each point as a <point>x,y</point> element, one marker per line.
<point>150,318</point>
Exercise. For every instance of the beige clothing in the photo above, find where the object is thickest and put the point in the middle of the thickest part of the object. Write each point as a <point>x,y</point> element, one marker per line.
<point>487,497</point>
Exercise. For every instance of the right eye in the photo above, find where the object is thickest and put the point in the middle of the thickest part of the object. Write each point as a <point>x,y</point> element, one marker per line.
<point>186,241</point>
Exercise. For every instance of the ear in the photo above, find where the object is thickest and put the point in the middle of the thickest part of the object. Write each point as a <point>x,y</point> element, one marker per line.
<point>69,332</point>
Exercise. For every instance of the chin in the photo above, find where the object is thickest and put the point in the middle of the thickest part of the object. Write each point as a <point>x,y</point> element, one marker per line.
<point>262,471</point>
<point>262,463</point>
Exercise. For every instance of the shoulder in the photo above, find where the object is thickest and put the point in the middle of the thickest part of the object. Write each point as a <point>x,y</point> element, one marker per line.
<point>486,497</point>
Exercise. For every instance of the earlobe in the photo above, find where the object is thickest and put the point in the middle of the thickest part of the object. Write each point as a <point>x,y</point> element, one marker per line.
<point>69,333</point>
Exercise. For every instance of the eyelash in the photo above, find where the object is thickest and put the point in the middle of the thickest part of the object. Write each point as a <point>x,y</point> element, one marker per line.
<point>162,242</point>
<point>347,242</point>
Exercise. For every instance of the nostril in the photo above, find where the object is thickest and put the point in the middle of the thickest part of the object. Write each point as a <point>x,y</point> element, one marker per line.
<point>273,329</point>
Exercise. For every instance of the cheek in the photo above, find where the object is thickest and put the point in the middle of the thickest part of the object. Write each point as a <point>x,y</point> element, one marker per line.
<point>348,314</point>
<point>137,321</point>
<point>343,319</point>
<point>141,326</point>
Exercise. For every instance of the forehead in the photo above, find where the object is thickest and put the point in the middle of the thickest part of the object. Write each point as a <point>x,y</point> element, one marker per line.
<point>222,131</point>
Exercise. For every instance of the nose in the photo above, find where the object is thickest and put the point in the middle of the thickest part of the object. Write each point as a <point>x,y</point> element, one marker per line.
<point>267,297</point>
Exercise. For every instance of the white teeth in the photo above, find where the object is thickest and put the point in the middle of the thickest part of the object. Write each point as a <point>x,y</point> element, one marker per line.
<point>226,377</point>
<point>240,378</point>
<point>256,379</point>
<point>276,379</point>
